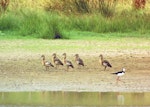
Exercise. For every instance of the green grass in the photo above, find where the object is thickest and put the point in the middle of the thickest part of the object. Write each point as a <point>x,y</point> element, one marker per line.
<point>46,25</point>
<point>19,47</point>
<point>86,35</point>
<point>31,23</point>
<point>82,35</point>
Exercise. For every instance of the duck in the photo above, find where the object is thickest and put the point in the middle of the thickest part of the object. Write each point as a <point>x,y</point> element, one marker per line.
<point>67,62</point>
<point>104,63</point>
<point>47,64</point>
<point>78,60</point>
<point>56,60</point>
<point>119,74</point>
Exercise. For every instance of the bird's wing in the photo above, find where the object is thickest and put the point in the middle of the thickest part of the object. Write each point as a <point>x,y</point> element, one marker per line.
<point>117,72</point>
<point>59,61</point>
<point>48,63</point>
<point>81,62</point>
<point>68,62</point>
<point>107,63</point>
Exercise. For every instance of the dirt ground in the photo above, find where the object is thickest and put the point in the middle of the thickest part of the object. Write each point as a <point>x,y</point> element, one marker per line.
<point>27,74</point>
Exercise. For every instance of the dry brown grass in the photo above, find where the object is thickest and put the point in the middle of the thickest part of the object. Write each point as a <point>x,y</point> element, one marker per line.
<point>69,5</point>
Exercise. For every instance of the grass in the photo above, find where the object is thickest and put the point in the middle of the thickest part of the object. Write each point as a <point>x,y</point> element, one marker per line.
<point>82,35</point>
<point>76,45</point>
<point>32,21</point>
<point>85,35</point>
<point>47,26</point>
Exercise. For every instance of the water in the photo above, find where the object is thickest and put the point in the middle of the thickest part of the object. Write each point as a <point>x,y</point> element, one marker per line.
<point>73,99</point>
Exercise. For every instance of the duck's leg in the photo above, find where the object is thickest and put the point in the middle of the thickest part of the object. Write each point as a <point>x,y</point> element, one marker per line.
<point>67,68</point>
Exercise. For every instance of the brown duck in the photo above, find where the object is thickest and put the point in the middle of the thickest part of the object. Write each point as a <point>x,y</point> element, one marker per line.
<point>104,63</point>
<point>67,62</point>
<point>78,60</point>
<point>56,61</point>
<point>47,64</point>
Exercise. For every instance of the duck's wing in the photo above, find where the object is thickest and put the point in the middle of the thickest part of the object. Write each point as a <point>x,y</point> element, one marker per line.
<point>105,62</point>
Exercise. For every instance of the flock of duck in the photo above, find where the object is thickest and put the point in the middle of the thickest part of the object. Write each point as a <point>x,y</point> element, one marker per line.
<point>57,62</point>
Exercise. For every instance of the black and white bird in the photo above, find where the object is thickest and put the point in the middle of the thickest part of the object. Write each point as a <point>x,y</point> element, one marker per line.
<point>104,63</point>
<point>47,64</point>
<point>119,74</point>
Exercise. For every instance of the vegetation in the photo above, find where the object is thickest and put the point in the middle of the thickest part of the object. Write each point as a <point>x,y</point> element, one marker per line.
<point>50,19</point>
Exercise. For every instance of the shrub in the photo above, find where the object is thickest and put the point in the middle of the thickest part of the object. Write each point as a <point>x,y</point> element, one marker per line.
<point>9,21</point>
<point>3,5</point>
<point>107,8</point>
<point>139,4</point>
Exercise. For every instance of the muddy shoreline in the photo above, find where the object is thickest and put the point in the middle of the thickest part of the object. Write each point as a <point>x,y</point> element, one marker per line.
<point>27,74</point>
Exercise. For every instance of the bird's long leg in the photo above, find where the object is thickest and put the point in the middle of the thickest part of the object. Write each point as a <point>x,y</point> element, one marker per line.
<point>117,80</point>
<point>56,66</point>
<point>46,68</point>
<point>67,68</point>
<point>105,68</point>
<point>121,81</point>
<point>78,66</point>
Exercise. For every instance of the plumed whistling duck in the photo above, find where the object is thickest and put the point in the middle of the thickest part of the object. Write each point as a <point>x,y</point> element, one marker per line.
<point>67,62</point>
<point>105,63</point>
<point>56,61</point>
<point>78,60</point>
<point>47,64</point>
<point>119,74</point>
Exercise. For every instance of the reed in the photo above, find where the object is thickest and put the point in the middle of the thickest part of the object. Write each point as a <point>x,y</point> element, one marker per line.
<point>42,19</point>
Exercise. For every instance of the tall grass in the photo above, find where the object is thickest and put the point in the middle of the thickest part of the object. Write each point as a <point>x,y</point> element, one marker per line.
<point>9,22</point>
<point>49,24</point>
<point>97,23</point>
<point>32,23</point>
